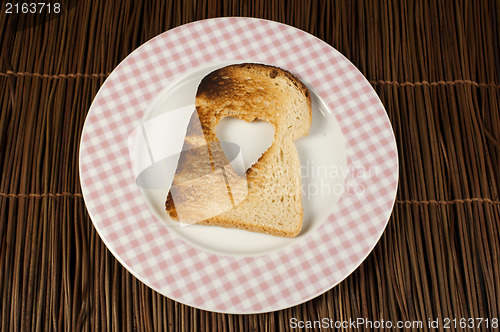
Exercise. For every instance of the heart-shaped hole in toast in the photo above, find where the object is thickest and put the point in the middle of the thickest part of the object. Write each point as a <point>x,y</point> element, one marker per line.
<point>253,138</point>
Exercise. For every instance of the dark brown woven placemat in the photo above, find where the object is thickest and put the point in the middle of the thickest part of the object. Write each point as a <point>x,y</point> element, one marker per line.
<point>436,68</point>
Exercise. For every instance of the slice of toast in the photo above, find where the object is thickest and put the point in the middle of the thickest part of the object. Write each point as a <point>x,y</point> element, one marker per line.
<point>207,190</point>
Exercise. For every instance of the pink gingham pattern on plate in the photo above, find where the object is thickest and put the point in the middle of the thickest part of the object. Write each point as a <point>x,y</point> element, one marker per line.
<point>237,284</point>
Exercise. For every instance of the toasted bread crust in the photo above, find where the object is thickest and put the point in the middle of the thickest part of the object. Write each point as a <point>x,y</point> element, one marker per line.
<point>248,92</point>
<point>222,83</point>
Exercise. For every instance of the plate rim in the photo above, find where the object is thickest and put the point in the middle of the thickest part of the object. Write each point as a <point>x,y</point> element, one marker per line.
<point>144,279</point>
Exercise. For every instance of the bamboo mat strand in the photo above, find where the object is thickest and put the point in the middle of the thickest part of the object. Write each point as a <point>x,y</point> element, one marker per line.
<point>434,64</point>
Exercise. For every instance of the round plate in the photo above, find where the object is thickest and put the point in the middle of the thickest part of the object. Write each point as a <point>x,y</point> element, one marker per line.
<point>349,169</point>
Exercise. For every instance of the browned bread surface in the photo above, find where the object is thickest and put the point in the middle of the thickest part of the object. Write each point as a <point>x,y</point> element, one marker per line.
<point>268,197</point>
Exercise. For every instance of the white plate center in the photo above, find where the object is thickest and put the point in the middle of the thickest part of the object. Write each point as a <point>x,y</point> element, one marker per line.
<point>253,138</point>
<point>322,157</point>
